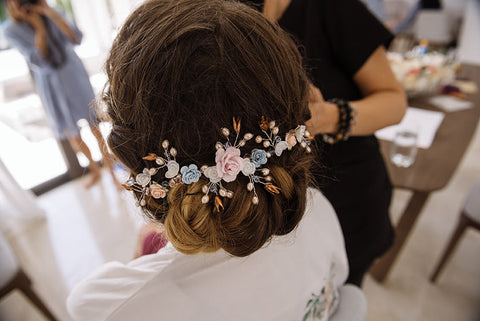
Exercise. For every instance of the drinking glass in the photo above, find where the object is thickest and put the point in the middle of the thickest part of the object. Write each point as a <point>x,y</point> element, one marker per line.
<point>404,147</point>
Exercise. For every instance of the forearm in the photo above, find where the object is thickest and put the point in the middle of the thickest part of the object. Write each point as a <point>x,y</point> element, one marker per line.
<point>41,42</point>
<point>62,25</point>
<point>378,110</point>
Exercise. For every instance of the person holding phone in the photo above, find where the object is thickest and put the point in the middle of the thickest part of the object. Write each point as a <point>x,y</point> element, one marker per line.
<point>46,40</point>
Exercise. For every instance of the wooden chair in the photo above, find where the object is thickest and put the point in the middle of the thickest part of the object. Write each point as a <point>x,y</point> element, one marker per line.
<point>353,304</point>
<point>469,217</point>
<point>13,277</point>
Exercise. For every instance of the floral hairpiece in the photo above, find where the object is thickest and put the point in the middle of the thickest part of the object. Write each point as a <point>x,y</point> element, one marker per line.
<point>229,163</point>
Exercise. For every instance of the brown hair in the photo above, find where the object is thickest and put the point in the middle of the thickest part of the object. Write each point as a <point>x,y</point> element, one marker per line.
<point>180,70</point>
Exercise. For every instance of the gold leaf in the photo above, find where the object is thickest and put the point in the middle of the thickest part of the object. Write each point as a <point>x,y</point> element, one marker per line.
<point>218,204</point>
<point>236,125</point>
<point>264,123</point>
<point>150,157</point>
<point>272,189</point>
<point>128,188</point>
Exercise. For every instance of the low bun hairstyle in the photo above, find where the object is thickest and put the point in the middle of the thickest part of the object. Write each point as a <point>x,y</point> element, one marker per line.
<point>181,70</point>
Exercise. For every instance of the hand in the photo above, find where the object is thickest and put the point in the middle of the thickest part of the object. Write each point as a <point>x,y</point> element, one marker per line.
<point>42,8</point>
<point>325,115</point>
<point>17,12</point>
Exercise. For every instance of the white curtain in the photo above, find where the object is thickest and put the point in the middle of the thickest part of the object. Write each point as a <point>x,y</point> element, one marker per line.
<point>469,46</point>
<point>18,207</point>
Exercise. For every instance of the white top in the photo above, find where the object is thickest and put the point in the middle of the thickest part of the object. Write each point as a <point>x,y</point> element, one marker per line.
<point>274,283</point>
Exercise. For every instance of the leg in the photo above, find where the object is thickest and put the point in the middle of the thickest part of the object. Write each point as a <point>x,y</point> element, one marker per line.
<point>461,226</point>
<point>106,156</point>
<point>79,145</point>
<point>24,284</point>
<point>381,268</point>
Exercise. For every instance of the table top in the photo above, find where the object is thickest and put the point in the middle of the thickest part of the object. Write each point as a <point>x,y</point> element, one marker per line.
<point>434,167</point>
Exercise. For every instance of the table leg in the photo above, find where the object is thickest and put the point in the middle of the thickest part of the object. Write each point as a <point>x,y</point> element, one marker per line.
<point>382,266</point>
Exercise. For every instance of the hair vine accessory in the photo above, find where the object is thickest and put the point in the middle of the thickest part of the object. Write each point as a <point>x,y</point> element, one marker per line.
<point>228,164</point>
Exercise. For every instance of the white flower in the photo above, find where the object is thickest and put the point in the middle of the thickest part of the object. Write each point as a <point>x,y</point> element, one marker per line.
<point>299,132</point>
<point>280,147</point>
<point>173,169</point>
<point>143,178</point>
<point>249,168</point>
<point>212,174</point>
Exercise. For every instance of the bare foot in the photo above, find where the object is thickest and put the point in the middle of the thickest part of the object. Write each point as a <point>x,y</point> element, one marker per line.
<point>95,175</point>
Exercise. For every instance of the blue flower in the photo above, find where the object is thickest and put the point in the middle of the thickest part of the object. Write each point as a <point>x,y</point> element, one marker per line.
<point>190,174</point>
<point>259,157</point>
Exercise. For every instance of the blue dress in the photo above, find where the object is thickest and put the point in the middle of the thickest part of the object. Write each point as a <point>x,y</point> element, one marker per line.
<point>65,90</point>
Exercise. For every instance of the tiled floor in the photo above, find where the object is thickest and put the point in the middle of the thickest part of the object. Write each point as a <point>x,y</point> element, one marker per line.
<point>84,228</point>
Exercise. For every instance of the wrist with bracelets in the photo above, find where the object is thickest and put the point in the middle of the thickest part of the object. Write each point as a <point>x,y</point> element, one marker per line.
<point>346,120</point>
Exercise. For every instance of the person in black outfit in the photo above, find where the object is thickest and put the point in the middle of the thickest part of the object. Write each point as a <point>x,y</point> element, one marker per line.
<point>344,49</point>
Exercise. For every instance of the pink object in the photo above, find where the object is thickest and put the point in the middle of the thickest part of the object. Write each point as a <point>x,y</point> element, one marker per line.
<point>153,242</point>
<point>157,191</point>
<point>229,163</point>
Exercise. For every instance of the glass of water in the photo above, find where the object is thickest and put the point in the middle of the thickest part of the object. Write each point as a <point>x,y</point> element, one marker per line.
<point>404,147</point>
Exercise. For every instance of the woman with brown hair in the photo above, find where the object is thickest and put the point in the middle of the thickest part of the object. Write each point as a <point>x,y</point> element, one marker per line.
<point>207,101</point>
<point>46,40</point>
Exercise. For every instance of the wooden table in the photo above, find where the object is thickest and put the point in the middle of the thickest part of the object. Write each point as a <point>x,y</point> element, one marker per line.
<point>432,170</point>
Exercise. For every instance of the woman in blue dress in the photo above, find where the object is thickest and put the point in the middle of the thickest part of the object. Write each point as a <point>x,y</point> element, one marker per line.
<point>46,40</point>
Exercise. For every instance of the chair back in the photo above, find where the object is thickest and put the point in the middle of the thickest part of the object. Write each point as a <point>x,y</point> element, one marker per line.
<point>472,203</point>
<point>8,262</point>
<point>353,304</point>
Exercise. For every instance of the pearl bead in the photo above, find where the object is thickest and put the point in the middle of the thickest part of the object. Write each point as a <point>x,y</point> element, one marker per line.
<point>258,139</point>
<point>241,143</point>
<point>265,171</point>
<point>268,178</point>
<point>230,194</point>
<point>272,124</point>
<point>275,130</point>
<point>143,203</point>
<point>205,199</point>
<point>250,186</point>
<point>205,189</point>
<point>173,152</point>
<point>266,144</point>
<point>303,144</point>
<point>225,131</point>
<point>222,192</point>
<point>255,200</point>
<point>218,145</point>
<point>248,136</point>
<point>203,168</point>
<point>269,154</point>
<point>165,144</point>
<point>160,161</point>
<point>309,150</point>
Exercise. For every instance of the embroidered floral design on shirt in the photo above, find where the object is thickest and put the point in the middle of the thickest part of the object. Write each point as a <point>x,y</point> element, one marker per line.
<point>323,303</point>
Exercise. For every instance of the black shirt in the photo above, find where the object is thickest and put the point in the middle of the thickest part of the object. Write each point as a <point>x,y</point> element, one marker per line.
<point>336,38</point>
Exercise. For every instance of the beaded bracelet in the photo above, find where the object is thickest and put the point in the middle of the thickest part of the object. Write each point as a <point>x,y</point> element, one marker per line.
<point>346,121</point>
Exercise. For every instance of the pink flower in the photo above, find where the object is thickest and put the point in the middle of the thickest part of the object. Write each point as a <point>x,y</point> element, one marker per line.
<point>175,181</point>
<point>291,139</point>
<point>157,191</point>
<point>229,163</point>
